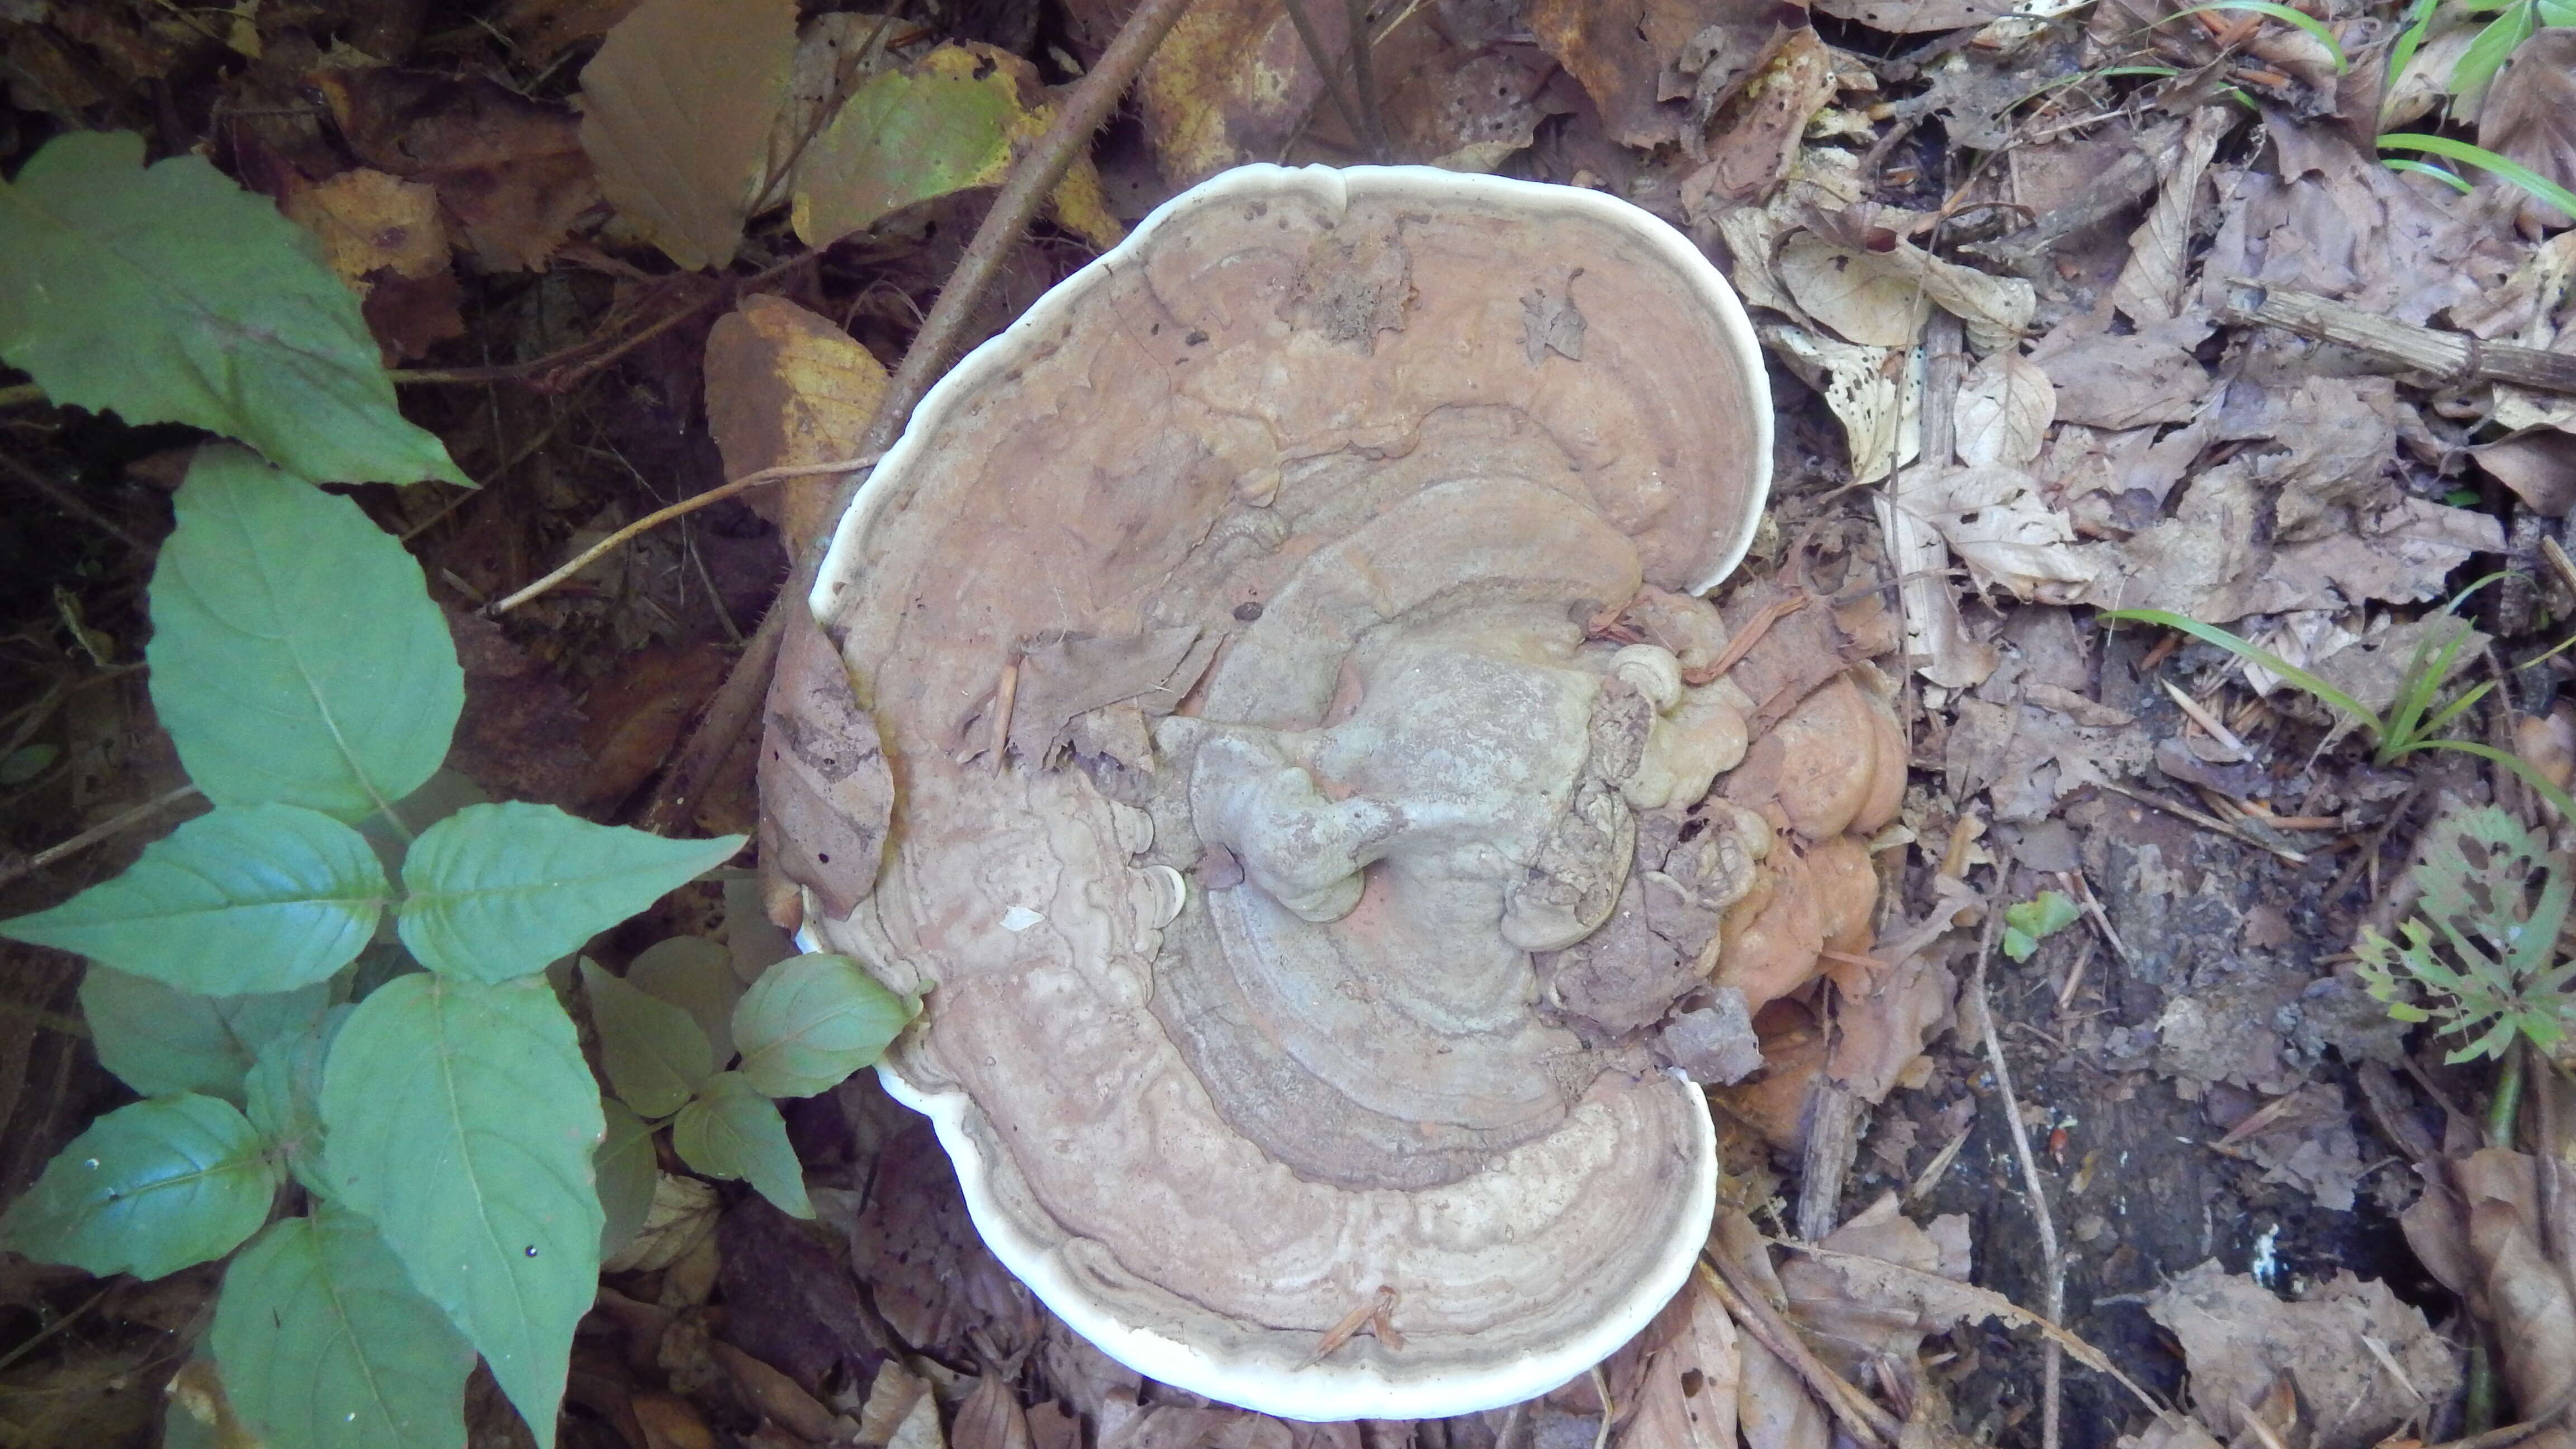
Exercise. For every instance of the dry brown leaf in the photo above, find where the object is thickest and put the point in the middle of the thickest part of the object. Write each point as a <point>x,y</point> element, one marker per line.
<point>2539,465</point>
<point>1692,1380</point>
<point>2150,288</point>
<point>1848,291</point>
<point>1756,134</point>
<point>2005,406</point>
<point>677,109</point>
<point>1998,523</point>
<point>2479,1232</point>
<point>1643,61</point>
<point>777,1396</point>
<point>369,222</point>
<point>1876,393</point>
<point>1995,310</point>
<point>2238,1338</point>
<point>786,387</point>
<point>2530,114</point>
<point>1231,82</point>
<point>510,171</point>
<point>825,794</point>
<point>1916,17</point>
<point>1934,1296</point>
<point>991,1417</point>
<point>2108,381</point>
<point>542,28</point>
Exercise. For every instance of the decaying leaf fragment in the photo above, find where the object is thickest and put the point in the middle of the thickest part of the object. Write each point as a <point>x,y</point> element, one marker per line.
<point>2239,1337</point>
<point>825,793</point>
<point>786,387</point>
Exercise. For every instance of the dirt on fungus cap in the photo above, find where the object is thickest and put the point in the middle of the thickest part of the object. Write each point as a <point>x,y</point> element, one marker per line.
<point>1267,544</point>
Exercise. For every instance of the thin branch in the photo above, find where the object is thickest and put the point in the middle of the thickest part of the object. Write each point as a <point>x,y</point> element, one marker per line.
<point>96,833</point>
<point>1861,1417</point>
<point>941,337</point>
<point>64,499</point>
<point>2052,1358</point>
<point>690,504</point>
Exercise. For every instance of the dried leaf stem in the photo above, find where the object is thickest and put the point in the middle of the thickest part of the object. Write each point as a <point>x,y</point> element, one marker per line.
<point>2052,1357</point>
<point>1859,1415</point>
<point>690,504</point>
<point>123,822</point>
<point>941,337</point>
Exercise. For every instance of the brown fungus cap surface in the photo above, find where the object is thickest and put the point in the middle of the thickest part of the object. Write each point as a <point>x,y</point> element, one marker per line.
<point>1225,621</point>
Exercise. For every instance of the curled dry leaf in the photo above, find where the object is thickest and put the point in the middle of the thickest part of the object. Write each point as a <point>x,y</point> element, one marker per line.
<point>2478,1229</point>
<point>1876,393</point>
<point>1642,64</point>
<point>1687,1399</point>
<point>1848,291</point>
<point>1756,134</point>
<point>2336,1345</point>
<point>510,171</point>
<point>676,113</point>
<point>1997,522</point>
<point>2150,287</point>
<point>1848,1316</point>
<point>2005,406</point>
<point>825,793</point>
<point>786,387</point>
<point>2530,114</point>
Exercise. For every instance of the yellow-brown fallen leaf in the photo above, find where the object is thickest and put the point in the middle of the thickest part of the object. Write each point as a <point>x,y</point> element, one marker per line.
<point>786,387</point>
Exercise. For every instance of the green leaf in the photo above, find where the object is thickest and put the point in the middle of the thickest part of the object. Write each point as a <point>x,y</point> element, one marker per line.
<point>2273,9</point>
<point>164,1041</point>
<point>732,1131</point>
<point>904,137</point>
<point>628,1172</point>
<point>695,975</point>
<point>171,295</point>
<point>2520,175</point>
<point>654,1054</point>
<point>2487,53</point>
<point>2244,649</point>
<point>322,1342</point>
<point>460,1118</point>
<point>149,1189</point>
<point>497,891</point>
<point>26,763</point>
<point>243,899</point>
<point>295,654</point>
<point>285,1092</point>
<point>810,1021</point>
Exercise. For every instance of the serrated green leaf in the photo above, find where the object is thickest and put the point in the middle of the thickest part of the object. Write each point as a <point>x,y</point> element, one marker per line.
<point>695,975</point>
<point>460,1119</point>
<point>162,1041</point>
<point>810,1021</point>
<point>654,1054</point>
<point>732,1131</point>
<point>627,1170</point>
<point>904,137</point>
<point>2026,923</point>
<point>497,891</point>
<point>242,900</point>
<point>149,1189</point>
<point>323,1344</point>
<point>172,295</point>
<point>284,1088</point>
<point>295,654</point>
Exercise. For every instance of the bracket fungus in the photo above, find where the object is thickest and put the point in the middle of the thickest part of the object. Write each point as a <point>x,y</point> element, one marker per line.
<point>1276,766</point>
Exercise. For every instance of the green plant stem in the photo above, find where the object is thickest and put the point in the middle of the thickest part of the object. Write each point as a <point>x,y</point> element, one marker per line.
<point>2506,1103</point>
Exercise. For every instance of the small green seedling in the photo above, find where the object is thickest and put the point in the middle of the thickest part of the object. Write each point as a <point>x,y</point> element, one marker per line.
<point>2032,921</point>
<point>2481,955</point>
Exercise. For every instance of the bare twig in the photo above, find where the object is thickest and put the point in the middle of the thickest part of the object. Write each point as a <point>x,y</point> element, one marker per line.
<point>690,504</point>
<point>1860,1415</point>
<point>2052,1360</point>
<point>1372,122</point>
<point>64,499</point>
<point>2206,821</point>
<point>96,833</point>
<point>1314,43</point>
<point>2451,357</point>
<point>738,699</point>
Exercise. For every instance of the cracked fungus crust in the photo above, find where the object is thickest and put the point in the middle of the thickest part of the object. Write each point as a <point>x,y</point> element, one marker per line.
<point>1269,541</point>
